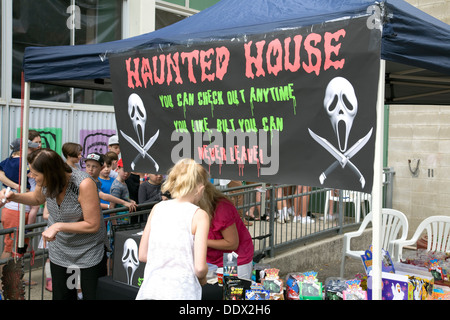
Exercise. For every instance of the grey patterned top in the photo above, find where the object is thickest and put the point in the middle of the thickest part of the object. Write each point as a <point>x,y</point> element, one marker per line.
<point>83,250</point>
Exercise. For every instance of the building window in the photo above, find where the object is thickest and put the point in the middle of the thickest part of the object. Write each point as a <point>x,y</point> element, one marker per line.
<point>165,18</point>
<point>49,23</point>
<point>193,4</point>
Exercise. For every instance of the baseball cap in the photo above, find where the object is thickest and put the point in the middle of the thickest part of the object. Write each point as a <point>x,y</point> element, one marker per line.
<point>113,140</point>
<point>120,163</point>
<point>15,145</point>
<point>96,157</point>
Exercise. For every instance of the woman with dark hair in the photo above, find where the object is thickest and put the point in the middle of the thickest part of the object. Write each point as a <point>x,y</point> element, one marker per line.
<point>76,235</point>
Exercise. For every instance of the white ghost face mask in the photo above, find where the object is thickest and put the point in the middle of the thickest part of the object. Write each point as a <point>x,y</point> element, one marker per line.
<point>341,105</point>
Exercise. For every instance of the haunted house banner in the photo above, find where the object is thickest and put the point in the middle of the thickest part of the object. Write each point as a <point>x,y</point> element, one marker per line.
<point>293,106</point>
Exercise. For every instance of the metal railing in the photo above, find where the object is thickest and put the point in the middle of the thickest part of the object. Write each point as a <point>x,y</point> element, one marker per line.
<point>270,233</point>
<point>305,210</point>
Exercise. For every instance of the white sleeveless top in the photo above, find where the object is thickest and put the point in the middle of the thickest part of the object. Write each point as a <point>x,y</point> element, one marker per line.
<point>169,271</point>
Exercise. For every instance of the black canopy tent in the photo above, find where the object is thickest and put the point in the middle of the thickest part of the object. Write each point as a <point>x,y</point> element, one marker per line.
<point>414,44</point>
<point>414,51</point>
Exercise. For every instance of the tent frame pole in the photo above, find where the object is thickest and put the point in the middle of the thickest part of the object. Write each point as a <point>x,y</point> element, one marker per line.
<point>377,190</point>
<point>24,164</point>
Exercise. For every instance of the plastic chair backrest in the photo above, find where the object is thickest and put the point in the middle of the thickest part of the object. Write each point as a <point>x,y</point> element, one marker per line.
<point>394,226</point>
<point>438,231</point>
<point>392,221</point>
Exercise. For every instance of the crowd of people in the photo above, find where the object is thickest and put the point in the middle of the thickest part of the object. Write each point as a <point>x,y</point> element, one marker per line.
<point>206,222</point>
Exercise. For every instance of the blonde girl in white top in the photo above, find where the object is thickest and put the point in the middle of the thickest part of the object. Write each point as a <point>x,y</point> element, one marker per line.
<point>174,241</point>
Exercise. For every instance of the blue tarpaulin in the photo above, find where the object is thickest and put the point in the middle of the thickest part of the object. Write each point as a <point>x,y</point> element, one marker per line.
<point>410,38</point>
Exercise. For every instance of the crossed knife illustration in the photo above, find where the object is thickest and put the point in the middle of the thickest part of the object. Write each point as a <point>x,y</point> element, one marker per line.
<point>342,159</point>
<point>143,151</point>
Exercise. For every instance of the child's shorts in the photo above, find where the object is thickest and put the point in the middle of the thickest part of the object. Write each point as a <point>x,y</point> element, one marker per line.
<point>10,219</point>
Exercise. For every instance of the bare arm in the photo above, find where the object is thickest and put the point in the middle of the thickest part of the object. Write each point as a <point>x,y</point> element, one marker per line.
<point>7,182</point>
<point>131,205</point>
<point>33,214</point>
<point>143,245</point>
<point>32,198</point>
<point>200,229</point>
<point>45,212</point>
<point>229,242</point>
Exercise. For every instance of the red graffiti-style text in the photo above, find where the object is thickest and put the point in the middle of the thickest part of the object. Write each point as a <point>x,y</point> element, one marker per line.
<point>166,67</point>
<point>312,54</point>
<point>278,55</point>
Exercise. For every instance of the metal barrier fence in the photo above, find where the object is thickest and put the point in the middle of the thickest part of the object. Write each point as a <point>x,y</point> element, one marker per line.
<point>287,215</point>
<point>311,213</point>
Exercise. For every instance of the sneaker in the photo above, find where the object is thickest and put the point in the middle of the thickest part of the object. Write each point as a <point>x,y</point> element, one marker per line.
<point>286,215</point>
<point>283,217</point>
<point>307,219</point>
<point>296,219</point>
<point>330,217</point>
<point>291,211</point>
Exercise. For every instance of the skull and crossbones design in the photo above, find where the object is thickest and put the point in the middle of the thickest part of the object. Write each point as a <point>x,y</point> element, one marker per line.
<point>138,116</point>
<point>341,105</point>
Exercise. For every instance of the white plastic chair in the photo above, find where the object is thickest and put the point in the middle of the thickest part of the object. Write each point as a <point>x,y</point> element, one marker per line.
<point>437,229</point>
<point>357,198</point>
<point>391,222</point>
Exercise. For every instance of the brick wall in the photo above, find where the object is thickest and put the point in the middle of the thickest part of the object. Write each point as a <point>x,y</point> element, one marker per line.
<point>439,9</point>
<point>420,133</point>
